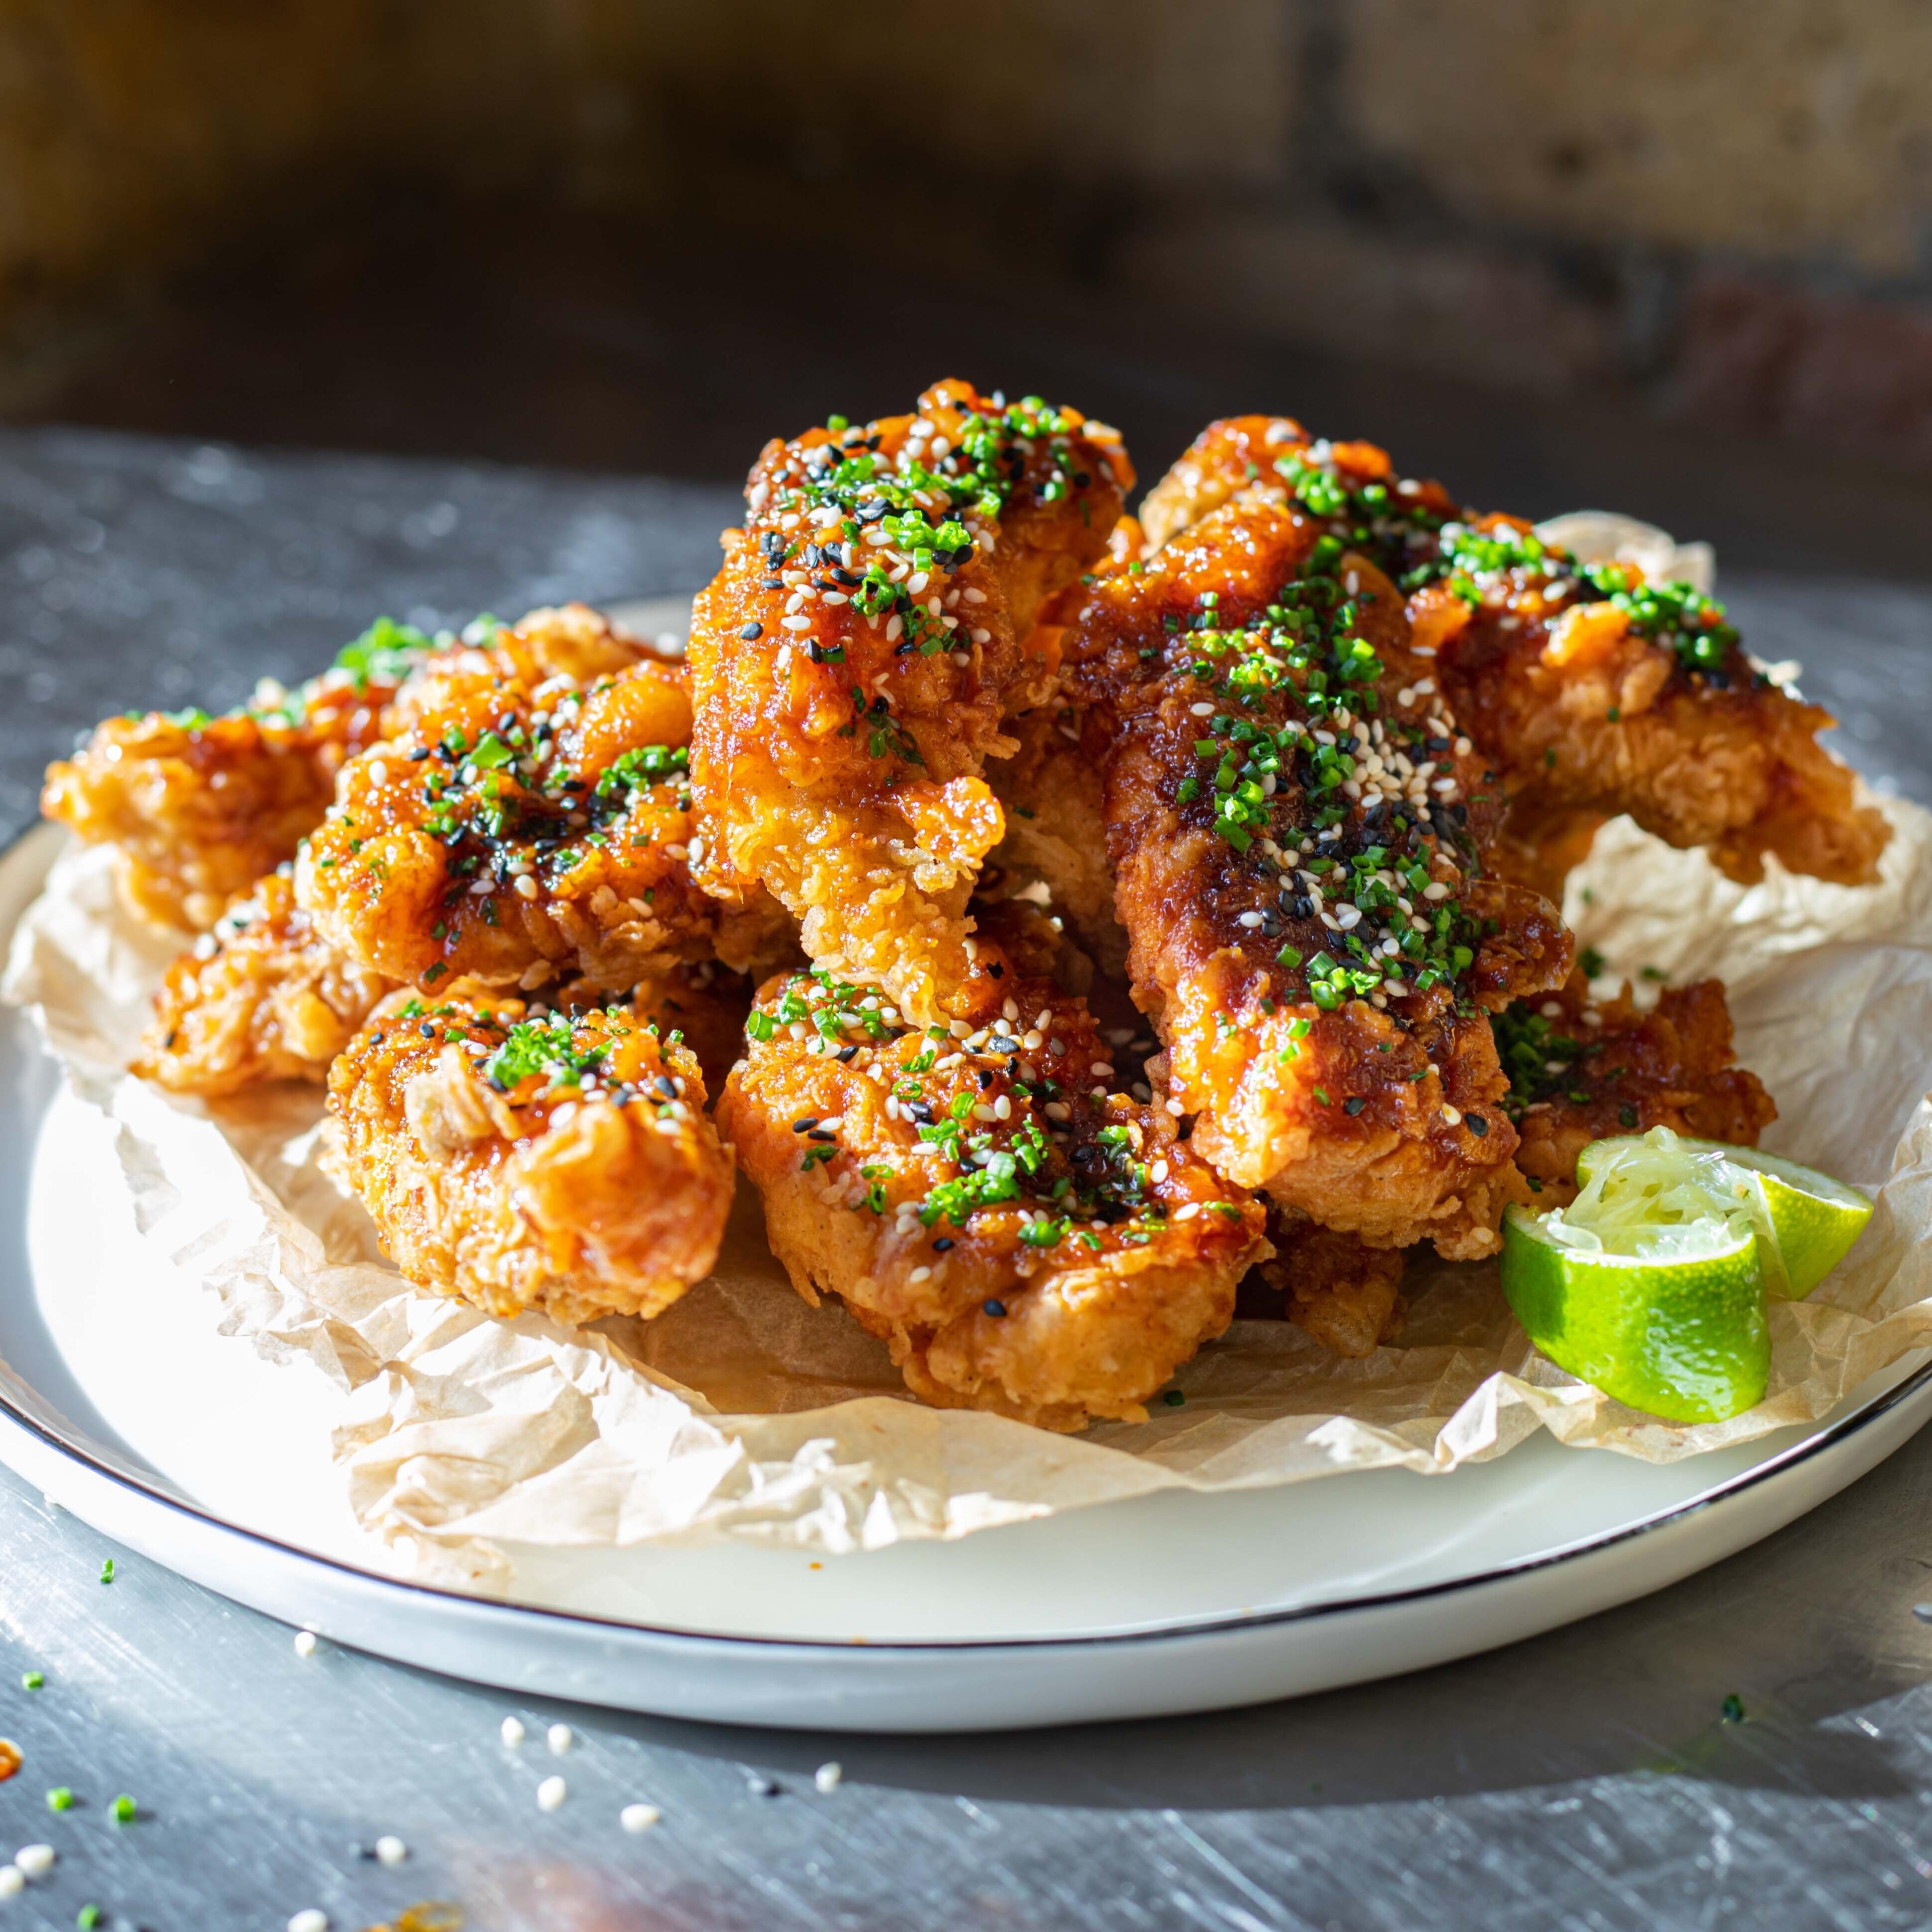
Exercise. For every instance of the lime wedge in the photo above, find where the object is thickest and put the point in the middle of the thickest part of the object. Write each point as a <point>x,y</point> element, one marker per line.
<point>1675,1324</point>
<point>1805,1221</point>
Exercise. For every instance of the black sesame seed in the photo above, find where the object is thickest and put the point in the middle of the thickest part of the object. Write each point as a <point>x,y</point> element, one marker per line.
<point>1355,1104</point>
<point>427,1031</point>
<point>1477,1124</point>
<point>994,1308</point>
<point>666,1086</point>
<point>752,631</point>
<point>943,1245</point>
<point>805,1123</point>
<point>846,1054</point>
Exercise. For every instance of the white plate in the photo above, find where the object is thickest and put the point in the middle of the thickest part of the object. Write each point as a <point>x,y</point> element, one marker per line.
<point>1173,1603</point>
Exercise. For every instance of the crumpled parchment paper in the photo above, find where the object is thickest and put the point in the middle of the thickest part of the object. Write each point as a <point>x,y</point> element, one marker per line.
<point>741,1412</point>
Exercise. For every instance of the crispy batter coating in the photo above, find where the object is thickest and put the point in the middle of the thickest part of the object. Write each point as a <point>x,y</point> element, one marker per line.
<point>1590,690</point>
<point>522,1159</point>
<point>1049,790</point>
<point>853,660</point>
<point>1582,1069</point>
<point>1295,822</point>
<point>1025,1239</point>
<point>521,828</point>
<point>202,807</point>
<point>260,998</point>
<point>1346,1294</point>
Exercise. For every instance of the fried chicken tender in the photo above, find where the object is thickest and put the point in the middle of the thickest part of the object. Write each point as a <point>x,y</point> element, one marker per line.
<point>521,1160</point>
<point>1024,1239</point>
<point>1295,824</point>
<point>1581,1069</point>
<point>1592,692</point>
<point>202,807</point>
<point>259,998</point>
<point>1346,1294</point>
<point>855,658</point>
<point>522,828</point>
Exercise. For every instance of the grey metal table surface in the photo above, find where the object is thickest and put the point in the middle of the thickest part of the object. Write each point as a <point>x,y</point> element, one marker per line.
<point>1589,1779</point>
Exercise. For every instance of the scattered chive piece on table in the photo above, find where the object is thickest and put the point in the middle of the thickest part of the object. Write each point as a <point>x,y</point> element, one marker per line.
<point>1173,1398</point>
<point>107,1570</point>
<point>87,1918</point>
<point>1732,1711</point>
<point>33,1680</point>
<point>124,1809</point>
<point>60,1798</point>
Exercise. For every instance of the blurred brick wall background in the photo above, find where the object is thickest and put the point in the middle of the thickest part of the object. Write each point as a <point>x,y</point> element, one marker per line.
<point>1721,209</point>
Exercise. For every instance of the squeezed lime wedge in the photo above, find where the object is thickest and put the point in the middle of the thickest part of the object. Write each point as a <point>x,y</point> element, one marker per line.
<point>1651,1284</point>
<point>1678,1329</point>
<point>1805,1221</point>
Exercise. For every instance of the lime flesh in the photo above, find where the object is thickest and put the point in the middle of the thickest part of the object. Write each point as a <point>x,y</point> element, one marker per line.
<point>1677,1329</point>
<point>1805,1221</point>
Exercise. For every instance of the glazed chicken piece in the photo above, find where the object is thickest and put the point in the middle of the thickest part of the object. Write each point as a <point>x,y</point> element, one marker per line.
<point>854,660</point>
<point>1582,1069</point>
<point>521,828</point>
<point>1025,1238</point>
<point>1345,1293</point>
<point>524,1159</point>
<point>1296,820</point>
<point>202,807</point>
<point>1592,691</point>
<point>260,998</point>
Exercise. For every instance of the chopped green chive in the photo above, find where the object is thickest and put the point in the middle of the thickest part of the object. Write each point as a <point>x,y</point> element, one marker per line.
<point>60,1798</point>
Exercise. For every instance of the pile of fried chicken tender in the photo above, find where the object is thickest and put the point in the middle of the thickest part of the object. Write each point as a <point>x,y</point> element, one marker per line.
<point>1064,918</point>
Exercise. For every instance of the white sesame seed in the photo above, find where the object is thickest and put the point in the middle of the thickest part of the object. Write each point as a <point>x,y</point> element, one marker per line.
<point>313,1920</point>
<point>1250,920</point>
<point>635,1818</point>
<point>1452,1114</point>
<point>1174,1108</point>
<point>378,772</point>
<point>560,1738</point>
<point>36,1861</point>
<point>1436,890</point>
<point>1158,1171</point>
<point>1002,1108</point>
<point>921,1273</point>
<point>551,1793</point>
<point>525,887</point>
<point>13,1881</point>
<point>511,1730</point>
<point>984,1114</point>
<point>305,1643</point>
<point>829,1776</point>
<point>1103,1069</point>
<point>1204,710</point>
<point>391,1850</point>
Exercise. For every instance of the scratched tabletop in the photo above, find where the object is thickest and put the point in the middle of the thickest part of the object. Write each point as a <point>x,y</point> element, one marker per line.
<point>1751,1748</point>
